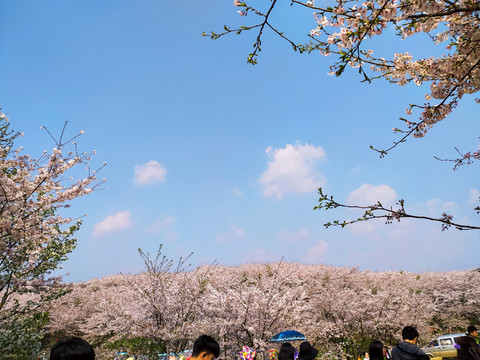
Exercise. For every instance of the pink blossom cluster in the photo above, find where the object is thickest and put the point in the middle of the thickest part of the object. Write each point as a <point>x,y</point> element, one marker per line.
<point>344,28</point>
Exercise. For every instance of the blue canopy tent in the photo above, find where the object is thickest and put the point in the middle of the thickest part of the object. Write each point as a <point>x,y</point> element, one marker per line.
<point>288,335</point>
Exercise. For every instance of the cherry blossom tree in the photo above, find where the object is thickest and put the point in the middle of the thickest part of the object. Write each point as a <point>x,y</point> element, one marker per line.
<point>343,28</point>
<point>349,308</point>
<point>248,304</point>
<point>456,302</point>
<point>167,300</point>
<point>156,311</point>
<point>352,307</point>
<point>34,235</point>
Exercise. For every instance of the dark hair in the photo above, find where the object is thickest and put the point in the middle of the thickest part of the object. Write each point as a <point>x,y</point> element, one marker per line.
<point>287,352</point>
<point>206,344</point>
<point>72,348</point>
<point>375,350</point>
<point>409,333</point>
<point>471,329</point>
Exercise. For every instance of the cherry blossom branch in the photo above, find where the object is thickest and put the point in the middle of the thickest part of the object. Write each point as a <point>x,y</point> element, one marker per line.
<point>378,211</point>
<point>456,10</point>
<point>258,43</point>
<point>356,20</point>
<point>464,159</point>
<point>417,128</point>
<point>404,138</point>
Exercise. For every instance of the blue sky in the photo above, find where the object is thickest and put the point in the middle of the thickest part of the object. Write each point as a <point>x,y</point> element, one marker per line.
<point>209,154</point>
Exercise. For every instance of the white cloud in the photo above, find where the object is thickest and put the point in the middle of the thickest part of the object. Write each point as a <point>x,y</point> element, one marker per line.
<point>121,220</point>
<point>238,231</point>
<point>238,192</point>
<point>405,229</point>
<point>436,206</point>
<point>474,195</point>
<point>366,195</point>
<point>291,170</point>
<point>161,224</point>
<point>390,247</point>
<point>231,236</point>
<point>149,173</point>
<point>293,237</point>
<point>432,207</point>
<point>260,255</point>
<point>369,194</point>
<point>357,170</point>
<point>316,253</point>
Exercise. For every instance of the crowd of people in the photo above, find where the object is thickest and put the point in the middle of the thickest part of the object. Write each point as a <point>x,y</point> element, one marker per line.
<point>207,348</point>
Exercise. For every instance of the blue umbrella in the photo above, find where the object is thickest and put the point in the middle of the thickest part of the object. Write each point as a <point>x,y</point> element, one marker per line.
<point>288,335</point>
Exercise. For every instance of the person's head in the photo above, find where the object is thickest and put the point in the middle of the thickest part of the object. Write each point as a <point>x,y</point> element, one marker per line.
<point>409,333</point>
<point>286,352</point>
<point>472,331</point>
<point>205,348</point>
<point>72,348</point>
<point>307,351</point>
<point>376,350</point>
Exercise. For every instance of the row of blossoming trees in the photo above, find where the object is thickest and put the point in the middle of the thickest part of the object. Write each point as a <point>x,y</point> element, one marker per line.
<point>339,309</point>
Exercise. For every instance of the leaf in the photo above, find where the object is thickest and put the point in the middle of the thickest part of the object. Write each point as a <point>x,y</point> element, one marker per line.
<point>341,69</point>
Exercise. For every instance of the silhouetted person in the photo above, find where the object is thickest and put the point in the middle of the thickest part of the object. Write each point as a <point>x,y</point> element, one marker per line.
<point>307,351</point>
<point>286,352</point>
<point>376,350</point>
<point>469,349</point>
<point>72,348</point>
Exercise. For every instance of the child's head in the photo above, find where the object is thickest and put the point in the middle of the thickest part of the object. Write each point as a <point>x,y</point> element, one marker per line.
<point>205,348</point>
